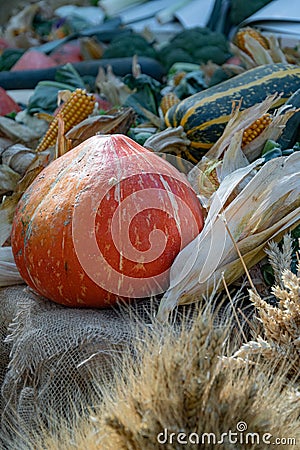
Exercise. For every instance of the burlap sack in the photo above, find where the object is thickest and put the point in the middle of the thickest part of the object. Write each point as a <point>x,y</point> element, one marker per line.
<point>50,354</point>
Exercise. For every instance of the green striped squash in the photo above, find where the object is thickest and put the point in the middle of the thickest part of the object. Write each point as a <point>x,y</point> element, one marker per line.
<point>204,115</point>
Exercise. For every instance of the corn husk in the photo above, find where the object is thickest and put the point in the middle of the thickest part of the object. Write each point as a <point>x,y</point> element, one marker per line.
<point>18,132</point>
<point>275,50</point>
<point>91,48</point>
<point>117,120</point>
<point>240,120</point>
<point>226,155</point>
<point>266,208</point>
<point>9,203</point>
<point>258,55</point>
<point>168,141</point>
<point>111,86</point>
<point>9,274</point>
<point>8,179</point>
<point>17,157</point>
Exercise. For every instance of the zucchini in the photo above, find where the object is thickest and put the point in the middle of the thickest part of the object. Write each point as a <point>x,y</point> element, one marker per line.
<point>205,114</point>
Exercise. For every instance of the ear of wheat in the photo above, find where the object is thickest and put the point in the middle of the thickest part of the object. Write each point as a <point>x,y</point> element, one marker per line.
<point>280,342</point>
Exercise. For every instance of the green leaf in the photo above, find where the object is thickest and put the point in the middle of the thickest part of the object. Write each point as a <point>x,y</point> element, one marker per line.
<point>192,83</point>
<point>9,57</point>
<point>269,146</point>
<point>147,93</point>
<point>268,274</point>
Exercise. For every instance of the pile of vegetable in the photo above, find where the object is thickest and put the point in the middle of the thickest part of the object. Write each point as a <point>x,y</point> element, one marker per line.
<point>39,37</point>
<point>223,116</point>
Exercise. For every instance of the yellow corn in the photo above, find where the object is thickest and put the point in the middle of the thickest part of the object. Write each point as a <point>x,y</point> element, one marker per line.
<point>240,38</point>
<point>77,108</point>
<point>256,128</point>
<point>168,100</point>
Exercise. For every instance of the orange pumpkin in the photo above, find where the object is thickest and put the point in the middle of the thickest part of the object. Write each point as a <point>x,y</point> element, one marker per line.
<point>104,222</point>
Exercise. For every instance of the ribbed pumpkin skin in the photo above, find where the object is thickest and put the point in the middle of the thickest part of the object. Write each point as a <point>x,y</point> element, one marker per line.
<point>76,196</point>
<point>205,114</point>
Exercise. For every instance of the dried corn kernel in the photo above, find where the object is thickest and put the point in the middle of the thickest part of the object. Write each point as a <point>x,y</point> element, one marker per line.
<point>256,128</point>
<point>77,108</point>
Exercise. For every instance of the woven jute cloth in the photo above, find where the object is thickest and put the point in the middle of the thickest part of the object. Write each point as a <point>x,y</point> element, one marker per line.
<point>50,354</point>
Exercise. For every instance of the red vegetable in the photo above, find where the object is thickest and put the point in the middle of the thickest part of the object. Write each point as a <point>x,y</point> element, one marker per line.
<point>67,53</point>
<point>32,59</point>
<point>7,104</point>
<point>102,222</point>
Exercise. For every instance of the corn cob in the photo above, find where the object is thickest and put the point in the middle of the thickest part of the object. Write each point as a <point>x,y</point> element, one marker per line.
<point>240,38</point>
<point>256,128</point>
<point>178,77</point>
<point>77,108</point>
<point>167,101</point>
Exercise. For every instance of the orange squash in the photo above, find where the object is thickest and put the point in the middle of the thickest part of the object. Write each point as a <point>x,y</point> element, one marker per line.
<point>104,222</point>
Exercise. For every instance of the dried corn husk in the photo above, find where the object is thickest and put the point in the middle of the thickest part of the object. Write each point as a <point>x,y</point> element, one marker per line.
<point>266,207</point>
<point>168,141</point>
<point>9,203</point>
<point>227,155</point>
<point>9,274</point>
<point>256,55</point>
<point>91,48</point>
<point>8,179</point>
<point>244,32</point>
<point>18,132</point>
<point>259,54</point>
<point>240,120</point>
<point>17,157</point>
<point>111,86</point>
<point>171,144</point>
<point>275,50</point>
<point>117,120</point>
